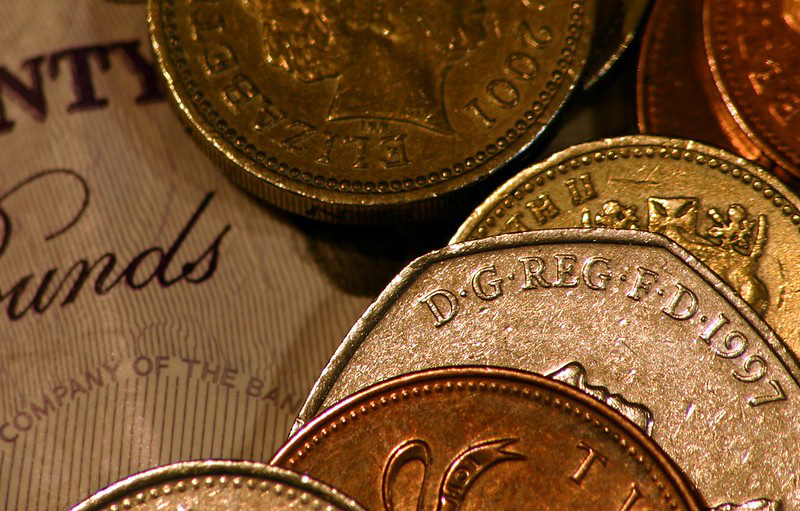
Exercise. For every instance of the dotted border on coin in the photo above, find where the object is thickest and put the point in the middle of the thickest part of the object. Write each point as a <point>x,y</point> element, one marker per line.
<point>259,158</point>
<point>237,482</point>
<point>770,142</point>
<point>462,384</point>
<point>644,151</point>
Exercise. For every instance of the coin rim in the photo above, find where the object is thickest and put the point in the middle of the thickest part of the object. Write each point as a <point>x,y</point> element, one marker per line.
<point>771,143</point>
<point>363,207</point>
<point>409,275</point>
<point>155,476</point>
<point>633,21</point>
<point>679,480</point>
<point>644,142</point>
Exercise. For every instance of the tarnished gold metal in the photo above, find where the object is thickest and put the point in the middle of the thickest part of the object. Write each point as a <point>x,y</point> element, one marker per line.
<point>627,316</point>
<point>486,438</point>
<point>358,112</point>
<point>616,27</point>
<point>219,486</point>
<point>731,214</point>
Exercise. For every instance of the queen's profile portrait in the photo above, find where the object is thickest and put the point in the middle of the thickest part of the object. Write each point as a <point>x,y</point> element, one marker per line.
<point>389,58</point>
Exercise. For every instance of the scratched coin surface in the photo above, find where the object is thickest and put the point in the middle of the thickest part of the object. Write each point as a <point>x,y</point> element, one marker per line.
<point>485,438</point>
<point>752,50</point>
<point>676,94</point>
<point>219,486</point>
<point>627,316</point>
<point>356,111</point>
<point>731,214</point>
<point>616,27</point>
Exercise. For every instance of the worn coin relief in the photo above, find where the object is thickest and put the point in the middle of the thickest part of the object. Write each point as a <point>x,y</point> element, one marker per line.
<point>729,213</point>
<point>348,111</point>
<point>537,434</point>
<point>641,316</point>
<point>414,44</point>
<point>459,476</point>
<point>750,49</point>
<point>574,374</point>
<point>731,246</point>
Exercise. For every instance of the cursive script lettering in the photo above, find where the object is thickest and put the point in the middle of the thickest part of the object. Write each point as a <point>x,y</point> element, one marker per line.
<point>38,291</point>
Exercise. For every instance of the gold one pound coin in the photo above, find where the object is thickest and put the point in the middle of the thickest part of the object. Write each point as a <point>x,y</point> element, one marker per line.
<point>728,212</point>
<point>352,111</point>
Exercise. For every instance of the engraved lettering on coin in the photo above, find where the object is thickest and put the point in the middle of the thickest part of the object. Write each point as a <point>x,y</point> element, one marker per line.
<point>731,246</point>
<point>654,325</point>
<point>389,57</point>
<point>495,438</point>
<point>731,214</point>
<point>354,111</point>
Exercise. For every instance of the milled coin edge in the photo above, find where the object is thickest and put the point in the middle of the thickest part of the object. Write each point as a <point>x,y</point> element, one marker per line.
<point>149,478</point>
<point>630,142</point>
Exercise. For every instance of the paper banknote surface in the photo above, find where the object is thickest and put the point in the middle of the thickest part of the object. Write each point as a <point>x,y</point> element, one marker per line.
<point>150,311</point>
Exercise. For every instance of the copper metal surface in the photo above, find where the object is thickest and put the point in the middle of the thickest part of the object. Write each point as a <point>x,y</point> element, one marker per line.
<point>354,113</point>
<point>752,50</point>
<point>731,214</point>
<point>218,486</point>
<point>627,316</point>
<point>485,438</point>
<point>676,95</point>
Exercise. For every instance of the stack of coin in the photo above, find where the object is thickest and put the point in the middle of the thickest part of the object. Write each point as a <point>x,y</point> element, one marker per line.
<point>613,327</point>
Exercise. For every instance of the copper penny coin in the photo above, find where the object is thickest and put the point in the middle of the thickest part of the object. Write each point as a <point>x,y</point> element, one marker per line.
<point>485,438</point>
<point>356,111</point>
<point>676,95</point>
<point>218,486</point>
<point>752,51</point>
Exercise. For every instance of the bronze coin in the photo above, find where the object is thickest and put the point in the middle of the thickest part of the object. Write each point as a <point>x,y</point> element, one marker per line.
<point>682,357</point>
<point>358,111</point>
<point>676,95</point>
<point>218,486</point>
<point>485,438</point>
<point>752,51</point>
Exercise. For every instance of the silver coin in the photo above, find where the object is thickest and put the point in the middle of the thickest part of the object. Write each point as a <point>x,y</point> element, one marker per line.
<point>629,316</point>
<point>219,486</point>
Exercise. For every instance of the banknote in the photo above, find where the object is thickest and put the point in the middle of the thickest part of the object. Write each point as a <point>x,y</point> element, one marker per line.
<point>150,311</point>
